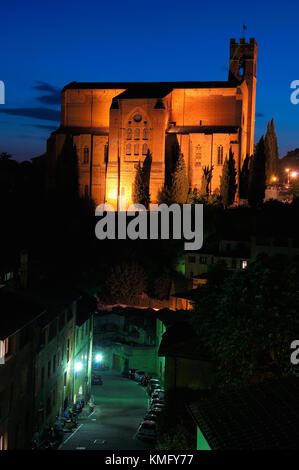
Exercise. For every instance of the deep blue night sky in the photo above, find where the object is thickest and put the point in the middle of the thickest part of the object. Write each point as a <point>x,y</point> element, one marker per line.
<point>45,45</point>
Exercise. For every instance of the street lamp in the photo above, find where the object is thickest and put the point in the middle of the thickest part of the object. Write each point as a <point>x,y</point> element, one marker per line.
<point>288,173</point>
<point>98,358</point>
<point>293,174</point>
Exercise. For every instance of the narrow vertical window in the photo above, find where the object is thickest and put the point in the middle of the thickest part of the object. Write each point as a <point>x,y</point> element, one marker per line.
<point>128,149</point>
<point>145,133</point>
<point>136,149</point>
<point>129,133</point>
<point>136,133</point>
<point>198,155</point>
<point>144,149</point>
<point>86,155</point>
<point>220,155</point>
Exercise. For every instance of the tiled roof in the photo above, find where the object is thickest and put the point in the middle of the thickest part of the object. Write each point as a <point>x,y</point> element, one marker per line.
<point>16,311</point>
<point>180,340</point>
<point>263,416</point>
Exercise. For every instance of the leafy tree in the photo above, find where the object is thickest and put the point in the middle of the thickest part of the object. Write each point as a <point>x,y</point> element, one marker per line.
<point>257,176</point>
<point>228,184</point>
<point>4,156</point>
<point>271,153</point>
<point>125,283</point>
<point>295,188</point>
<point>141,193</point>
<point>244,175</point>
<point>249,319</point>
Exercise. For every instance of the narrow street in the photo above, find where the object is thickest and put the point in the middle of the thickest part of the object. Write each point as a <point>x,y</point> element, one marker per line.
<point>120,405</point>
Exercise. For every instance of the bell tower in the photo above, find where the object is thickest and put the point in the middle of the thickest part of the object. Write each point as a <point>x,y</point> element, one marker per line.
<point>242,66</point>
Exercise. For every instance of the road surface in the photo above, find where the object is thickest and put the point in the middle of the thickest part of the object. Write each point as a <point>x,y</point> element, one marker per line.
<point>120,405</point>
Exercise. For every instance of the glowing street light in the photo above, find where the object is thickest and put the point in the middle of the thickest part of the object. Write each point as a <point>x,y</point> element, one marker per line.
<point>294,174</point>
<point>288,173</point>
<point>274,179</point>
<point>78,366</point>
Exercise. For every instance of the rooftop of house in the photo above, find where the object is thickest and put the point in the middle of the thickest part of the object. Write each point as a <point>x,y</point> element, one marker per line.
<point>16,311</point>
<point>86,306</point>
<point>263,416</point>
<point>180,340</point>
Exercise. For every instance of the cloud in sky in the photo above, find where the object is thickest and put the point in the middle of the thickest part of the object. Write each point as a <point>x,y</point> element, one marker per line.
<point>45,114</point>
<point>52,97</point>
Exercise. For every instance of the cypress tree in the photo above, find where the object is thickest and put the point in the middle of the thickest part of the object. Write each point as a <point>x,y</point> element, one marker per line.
<point>137,194</point>
<point>228,184</point>
<point>257,175</point>
<point>243,184</point>
<point>180,185</point>
<point>141,194</point>
<point>271,152</point>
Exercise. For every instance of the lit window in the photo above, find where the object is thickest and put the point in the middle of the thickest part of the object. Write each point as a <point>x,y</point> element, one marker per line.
<point>129,133</point>
<point>144,149</point>
<point>220,155</point>
<point>86,155</point>
<point>128,149</point>
<point>136,133</point>
<point>145,133</point>
<point>244,264</point>
<point>198,155</point>
<point>136,149</point>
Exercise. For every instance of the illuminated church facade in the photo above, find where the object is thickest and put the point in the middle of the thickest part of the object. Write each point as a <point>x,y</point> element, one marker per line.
<point>113,125</point>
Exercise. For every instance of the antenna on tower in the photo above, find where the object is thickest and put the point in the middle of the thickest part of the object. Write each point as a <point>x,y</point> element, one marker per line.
<point>244,28</point>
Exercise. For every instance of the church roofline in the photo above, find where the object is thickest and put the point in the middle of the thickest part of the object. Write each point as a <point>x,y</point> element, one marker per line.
<point>134,86</point>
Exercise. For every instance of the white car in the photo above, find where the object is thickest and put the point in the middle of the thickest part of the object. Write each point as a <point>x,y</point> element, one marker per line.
<point>147,430</point>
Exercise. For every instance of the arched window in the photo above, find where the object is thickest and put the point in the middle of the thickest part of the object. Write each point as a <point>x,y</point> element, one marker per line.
<point>86,155</point>
<point>136,133</point>
<point>128,149</point>
<point>129,133</point>
<point>145,133</point>
<point>220,155</point>
<point>198,155</point>
<point>144,149</point>
<point>136,149</point>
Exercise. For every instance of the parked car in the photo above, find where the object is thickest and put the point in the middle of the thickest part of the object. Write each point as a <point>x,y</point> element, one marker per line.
<point>97,380</point>
<point>156,408</point>
<point>153,384</point>
<point>139,374</point>
<point>132,373</point>
<point>156,401</point>
<point>147,430</point>
<point>145,380</point>
<point>150,417</point>
<point>158,393</point>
